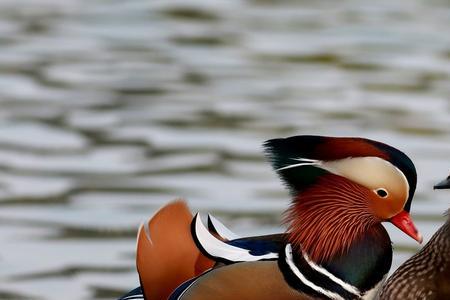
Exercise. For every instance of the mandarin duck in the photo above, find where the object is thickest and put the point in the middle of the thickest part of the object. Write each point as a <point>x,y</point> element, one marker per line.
<point>334,247</point>
<point>426,275</point>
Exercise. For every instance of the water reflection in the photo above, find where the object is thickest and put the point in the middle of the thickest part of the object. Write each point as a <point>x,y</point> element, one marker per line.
<point>111,108</point>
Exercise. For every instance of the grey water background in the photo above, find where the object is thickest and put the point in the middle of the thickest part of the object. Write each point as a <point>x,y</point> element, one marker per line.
<point>110,109</point>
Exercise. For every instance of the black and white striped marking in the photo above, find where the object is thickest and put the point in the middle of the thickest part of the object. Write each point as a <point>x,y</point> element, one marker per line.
<point>308,277</point>
<point>219,250</point>
<point>304,280</point>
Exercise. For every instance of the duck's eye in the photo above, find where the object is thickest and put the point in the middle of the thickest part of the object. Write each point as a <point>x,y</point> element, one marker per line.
<point>382,193</point>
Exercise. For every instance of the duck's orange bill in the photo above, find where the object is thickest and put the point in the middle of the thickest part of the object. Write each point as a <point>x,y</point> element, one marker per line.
<point>404,222</point>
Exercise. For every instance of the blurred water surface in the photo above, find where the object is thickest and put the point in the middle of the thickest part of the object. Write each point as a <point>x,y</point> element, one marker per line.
<point>109,109</point>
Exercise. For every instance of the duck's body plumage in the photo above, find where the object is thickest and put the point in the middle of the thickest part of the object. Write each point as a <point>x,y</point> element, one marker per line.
<point>247,280</point>
<point>426,275</point>
<point>335,246</point>
<point>368,260</point>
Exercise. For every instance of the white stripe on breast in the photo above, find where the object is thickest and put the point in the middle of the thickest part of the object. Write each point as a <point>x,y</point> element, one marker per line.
<point>296,271</point>
<point>348,287</point>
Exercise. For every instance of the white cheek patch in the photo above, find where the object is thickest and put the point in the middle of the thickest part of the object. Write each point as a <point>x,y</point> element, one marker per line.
<point>371,172</point>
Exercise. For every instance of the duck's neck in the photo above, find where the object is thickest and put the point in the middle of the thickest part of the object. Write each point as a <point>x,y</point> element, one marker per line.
<point>328,218</point>
<point>367,261</point>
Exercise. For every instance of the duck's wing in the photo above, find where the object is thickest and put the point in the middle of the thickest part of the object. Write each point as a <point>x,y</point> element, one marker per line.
<point>166,253</point>
<point>221,231</point>
<point>174,248</point>
<point>257,245</point>
<point>234,251</point>
<point>265,248</point>
<point>213,243</point>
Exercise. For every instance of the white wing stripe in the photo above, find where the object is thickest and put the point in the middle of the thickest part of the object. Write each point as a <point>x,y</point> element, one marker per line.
<point>219,249</point>
<point>222,230</point>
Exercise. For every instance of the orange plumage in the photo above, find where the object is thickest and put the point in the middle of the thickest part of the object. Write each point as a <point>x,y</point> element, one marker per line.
<point>166,253</point>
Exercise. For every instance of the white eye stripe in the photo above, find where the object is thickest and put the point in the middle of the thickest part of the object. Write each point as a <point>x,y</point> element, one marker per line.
<point>373,173</point>
<point>301,162</point>
<point>306,159</point>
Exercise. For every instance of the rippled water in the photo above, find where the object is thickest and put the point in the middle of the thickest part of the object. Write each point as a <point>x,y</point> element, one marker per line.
<point>109,109</point>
